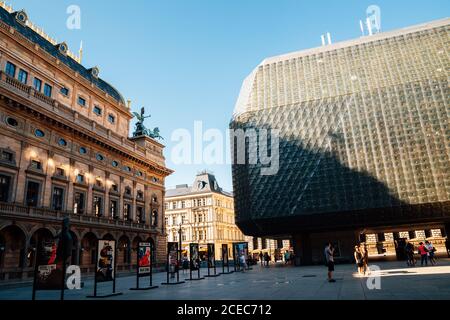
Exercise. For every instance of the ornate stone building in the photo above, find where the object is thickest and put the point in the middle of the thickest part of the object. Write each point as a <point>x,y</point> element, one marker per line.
<point>65,152</point>
<point>205,214</point>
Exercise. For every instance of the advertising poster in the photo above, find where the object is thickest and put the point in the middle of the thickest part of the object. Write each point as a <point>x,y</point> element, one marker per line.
<point>240,248</point>
<point>49,275</point>
<point>211,255</point>
<point>105,260</point>
<point>225,253</point>
<point>172,252</point>
<point>144,258</point>
<point>194,256</point>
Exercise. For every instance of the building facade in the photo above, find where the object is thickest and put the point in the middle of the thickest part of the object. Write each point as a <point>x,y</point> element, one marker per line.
<point>202,213</point>
<point>65,152</point>
<point>363,129</point>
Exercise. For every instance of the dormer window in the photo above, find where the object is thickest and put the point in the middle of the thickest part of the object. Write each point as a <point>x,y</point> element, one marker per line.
<point>21,17</point>
<point>95,71</point>
<point>63,48</point>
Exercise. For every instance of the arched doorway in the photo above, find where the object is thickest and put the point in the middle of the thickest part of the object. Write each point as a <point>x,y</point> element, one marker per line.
<point>88,251</point>
<point>123,252</point>
<point>109,237</point>
<point>39,238</point>
<point>12,249</point>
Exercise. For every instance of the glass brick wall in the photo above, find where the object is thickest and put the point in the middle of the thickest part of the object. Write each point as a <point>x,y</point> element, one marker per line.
<point>364,125</point>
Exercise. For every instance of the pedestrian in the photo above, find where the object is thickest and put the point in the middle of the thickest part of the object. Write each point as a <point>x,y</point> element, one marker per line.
<point>447,246</point>
<point>286,257</point>
<point>185,264</point>
<point>261,258</point>
<point>266,259</point>
<point>329,252</point>
<point>359,260</point>
<point>431,250</point>
<point>423,254</point>
<point>243,262</point>
<point>292,257</point>
<point>365,254</point>
<point>409,249</point>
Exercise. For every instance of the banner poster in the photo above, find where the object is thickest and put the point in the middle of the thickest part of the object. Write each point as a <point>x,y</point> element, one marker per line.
<point>49,273</point>
<point>106,256</point>
<point>194,256</point>
<point>211,255</point>
<point>172,252</point>
<point>144,259</point>
<point>225,253</point>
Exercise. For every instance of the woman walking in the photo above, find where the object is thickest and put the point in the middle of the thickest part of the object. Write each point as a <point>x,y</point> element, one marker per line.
<point>359,260</point>
<point>365,258</point>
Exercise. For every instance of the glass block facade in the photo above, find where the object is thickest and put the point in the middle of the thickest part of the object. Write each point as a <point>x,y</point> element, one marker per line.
<point>364,124</point>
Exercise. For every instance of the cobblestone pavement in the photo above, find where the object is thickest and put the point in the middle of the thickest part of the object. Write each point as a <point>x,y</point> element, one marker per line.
<point>278,282</point>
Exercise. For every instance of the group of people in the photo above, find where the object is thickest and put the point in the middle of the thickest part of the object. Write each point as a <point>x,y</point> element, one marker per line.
<point>264,259</point>
<point>361,255</point>
<point>425,250</point>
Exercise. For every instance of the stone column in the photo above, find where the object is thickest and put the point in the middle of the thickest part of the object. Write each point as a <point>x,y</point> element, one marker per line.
<point>303,248</point>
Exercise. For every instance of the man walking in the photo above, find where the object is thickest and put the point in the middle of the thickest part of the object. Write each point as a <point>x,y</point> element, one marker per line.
<point>329,252</point>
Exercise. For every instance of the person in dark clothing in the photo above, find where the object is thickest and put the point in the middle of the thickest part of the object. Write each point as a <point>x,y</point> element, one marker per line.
<point>409,249</point>
<point>447,246</point>
<point>266,259</point>
<point>261,258</point>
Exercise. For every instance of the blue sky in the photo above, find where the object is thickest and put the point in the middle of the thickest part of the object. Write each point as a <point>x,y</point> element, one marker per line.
<point>185,60</point>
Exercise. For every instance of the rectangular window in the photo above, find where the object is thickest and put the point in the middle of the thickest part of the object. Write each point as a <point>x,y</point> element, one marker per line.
<point>80,178</point>
<point>23,76</point>
<point>113,209</point>
<point>7,156</point>
<point>139,214</point>
<point>48,90</point>
<point>37,84</point>
<point>111,118</point>
<point>126,211</point>
<point>5,184</point>
<point>60,172</point>
<point>98,110</point>
<point>78,205</point>
<point>64,91</point>
<point>58,198</point>
<point>98,206</point>
<point>82,101</point>
<point>36,165</point>
<point>32,195</point>
<point>10,69</point>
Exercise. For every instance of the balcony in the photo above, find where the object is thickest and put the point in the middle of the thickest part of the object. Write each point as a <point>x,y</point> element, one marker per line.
<point>16,210</point>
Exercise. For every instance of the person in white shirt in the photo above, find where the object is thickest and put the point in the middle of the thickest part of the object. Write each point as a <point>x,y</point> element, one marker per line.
<point>329,252</point>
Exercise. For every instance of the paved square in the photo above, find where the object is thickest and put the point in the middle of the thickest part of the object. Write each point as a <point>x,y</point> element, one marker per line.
<point>278,283</point>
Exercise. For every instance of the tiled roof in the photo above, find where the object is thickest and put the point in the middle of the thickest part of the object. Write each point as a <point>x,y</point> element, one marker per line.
<point>44,44</point>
